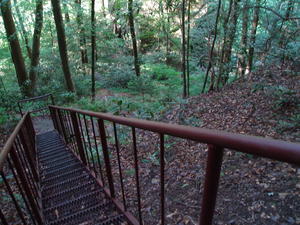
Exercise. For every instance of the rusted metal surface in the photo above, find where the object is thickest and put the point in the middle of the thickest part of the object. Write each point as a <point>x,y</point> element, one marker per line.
<point>212,176</point>
<point>18,168</point>
<point>68,178</point>
<point>70,194</point>
<point>279,150</point>
<point>34,99</point>
<point>216,140</point>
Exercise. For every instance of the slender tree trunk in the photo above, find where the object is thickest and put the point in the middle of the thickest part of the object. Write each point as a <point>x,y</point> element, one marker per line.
<point>82,39</point>
<point>183,48</point>
<point>253,36</point>
<point>225,24</point>
<point>103,9</point>
<point>61,37</point>
<point>168,59</point>
<point>244,39</point>
<point>188,48</point>
<point>133,37</point>
<point>66,11</point>
<point>283,40</point>
<point>229,42</point>
<point>36,44</point>
<point>15,49</point>
<point>212,50</point>
<point>93,39</point>
<point>23,30</point>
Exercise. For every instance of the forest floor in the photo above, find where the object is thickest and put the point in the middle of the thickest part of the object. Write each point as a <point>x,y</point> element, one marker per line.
<point>252,190</point>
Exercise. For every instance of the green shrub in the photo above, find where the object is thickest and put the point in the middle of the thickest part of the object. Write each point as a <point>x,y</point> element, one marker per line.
<point>118,77</point>
<point>141,85</point>
<point>284,97</point>
<point>160,71</point>
<point>67,97</point>
<point>97,106</point>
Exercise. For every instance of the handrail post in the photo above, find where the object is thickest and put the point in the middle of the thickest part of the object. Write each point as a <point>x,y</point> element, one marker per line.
<point>106,157</point>
<point>30,155</point>
<point>162,178</point>
<point>54,117</point>
<point>213,169</point>
<point>77,137</point>
<point>62,126</point>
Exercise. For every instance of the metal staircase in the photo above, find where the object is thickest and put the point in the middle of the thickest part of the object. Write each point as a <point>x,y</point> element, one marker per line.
<point>65,176</point>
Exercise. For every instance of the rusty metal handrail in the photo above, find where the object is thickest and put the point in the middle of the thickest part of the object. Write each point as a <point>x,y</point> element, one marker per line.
<point>33,99</point>
<point>10,141</point>
<point>18,171</point>
<point>71,123</point>
<point>274,149</point>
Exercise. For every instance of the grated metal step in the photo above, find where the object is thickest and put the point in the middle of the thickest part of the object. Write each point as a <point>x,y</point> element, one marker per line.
<point>70,194</point>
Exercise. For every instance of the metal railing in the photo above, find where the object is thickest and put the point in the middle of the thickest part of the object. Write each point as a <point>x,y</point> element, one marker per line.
<point>86,134</point>
<point>20,190</point>
<point>47,99</point>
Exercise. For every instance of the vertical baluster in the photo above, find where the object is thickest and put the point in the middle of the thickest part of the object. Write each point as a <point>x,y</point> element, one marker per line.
<point>53,117</point>
<point>137,175</point>
<point>77,137</point>
<point>119,164</point>
<point>24,163</point>
<point>20,189</point>
<point>89,142</point>
<point>213,169</point>
<point>106,157</point>
<point>71,133</point>
<point>26,188</point>
<point>64,113</point>
<point>29,155</point>
<point>62,127</point>
<point>10,192</point>
<point>29,126</point>
<point>83,138</point>
<point>162,179</point>
<point>98,154</point>
<point>2,217</point>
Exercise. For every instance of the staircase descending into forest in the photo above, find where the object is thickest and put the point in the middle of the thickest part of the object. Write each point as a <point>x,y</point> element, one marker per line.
<point>64,175</point>
<point>70,195</point>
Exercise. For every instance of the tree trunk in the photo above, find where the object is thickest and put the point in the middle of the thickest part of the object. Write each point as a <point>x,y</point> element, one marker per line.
<point>134,45</point>
<point>188,48</point>
<point>212,50</point>
<point>15,49</point>
<point>61,38</point>
<point>183,49</point>
<point>66,11</point>
<point>103,9</point>
<point>283,38</point>
<point>93,39</point>
<point>253,36</point>
<point>36,44</point>
<point>168,59</point>
<point>225,24</point>
<point>229,42</point>
<point>82,39</point>
<point>23,30</point>
<point>244,39</point>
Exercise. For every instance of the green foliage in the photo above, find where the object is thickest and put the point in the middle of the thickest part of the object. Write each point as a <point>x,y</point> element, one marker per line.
<point>141,85</point>
<point>8,104</point>
<point>284,97</point>
<point>291,124</point>
<point>118,77</point>
<point>97,106</point>
<point>160,71</point>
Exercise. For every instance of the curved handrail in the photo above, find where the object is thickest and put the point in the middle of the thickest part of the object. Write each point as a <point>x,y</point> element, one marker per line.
<point>10,141</point>
<point>274,149</point>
